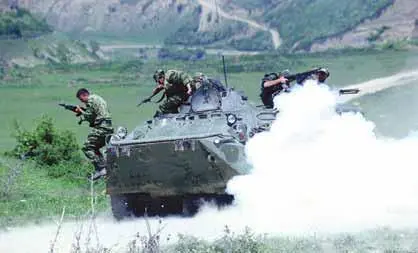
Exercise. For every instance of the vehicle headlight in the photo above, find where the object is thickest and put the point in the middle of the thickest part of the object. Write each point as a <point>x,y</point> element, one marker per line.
<point>122,132</point>
<point>231,119</point>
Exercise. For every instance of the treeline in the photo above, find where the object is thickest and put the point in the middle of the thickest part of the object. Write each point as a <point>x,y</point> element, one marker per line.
<point>21,23</point>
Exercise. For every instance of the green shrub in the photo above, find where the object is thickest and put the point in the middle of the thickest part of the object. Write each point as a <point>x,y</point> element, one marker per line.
<point>50,148</point>
<point>64,54</point>
<point>375,36</point>
<point>2,69</point>
<point>95,46</point>
<point>181,54</point>
<point>21,23</point>
<point>230,242</point>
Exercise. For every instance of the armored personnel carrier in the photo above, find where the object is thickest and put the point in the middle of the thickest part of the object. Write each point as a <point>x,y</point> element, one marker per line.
<point>171,163</point>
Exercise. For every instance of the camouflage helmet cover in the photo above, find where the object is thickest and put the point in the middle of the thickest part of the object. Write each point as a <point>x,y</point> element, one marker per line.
<point>158,74</point>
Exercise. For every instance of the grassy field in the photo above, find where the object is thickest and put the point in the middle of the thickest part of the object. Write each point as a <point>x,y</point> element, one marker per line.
<point>34,196</point>
<point>29,93</point>
<point>38,91</point>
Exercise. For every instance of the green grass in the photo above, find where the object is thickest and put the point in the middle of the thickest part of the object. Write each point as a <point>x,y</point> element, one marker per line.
<point>36,197</point>
<point>124,84</point>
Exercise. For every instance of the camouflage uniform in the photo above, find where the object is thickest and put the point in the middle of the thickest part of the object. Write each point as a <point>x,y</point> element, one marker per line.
<point>175,86</point>
<point>99,118</point>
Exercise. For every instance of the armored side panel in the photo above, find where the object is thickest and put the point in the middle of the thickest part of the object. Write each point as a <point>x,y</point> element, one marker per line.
<point>170,168</point>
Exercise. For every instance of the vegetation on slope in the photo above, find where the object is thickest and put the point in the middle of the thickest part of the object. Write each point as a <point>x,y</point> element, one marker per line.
<point>301,22</point>
<point>224,33</point>
<point>21,23</point>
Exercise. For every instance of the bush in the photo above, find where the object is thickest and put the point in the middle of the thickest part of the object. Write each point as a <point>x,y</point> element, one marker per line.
<point>95,47</point>
<point>230,242</point>
<point>64,54</point>
<point>375,36</point>
<point>2,69</point>
<point>181,54</point>
<point>20,23</point>
<point>49,147</point>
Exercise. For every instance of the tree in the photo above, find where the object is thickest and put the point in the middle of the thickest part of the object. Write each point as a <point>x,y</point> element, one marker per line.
<point>95,47</point>
<point>63,54</point>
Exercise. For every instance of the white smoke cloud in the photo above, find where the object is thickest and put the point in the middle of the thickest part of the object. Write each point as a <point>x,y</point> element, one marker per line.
<point>319,171</point>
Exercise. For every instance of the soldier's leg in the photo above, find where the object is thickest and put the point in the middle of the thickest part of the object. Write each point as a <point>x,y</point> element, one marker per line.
<point>91,149</point>
<point>171,105</point>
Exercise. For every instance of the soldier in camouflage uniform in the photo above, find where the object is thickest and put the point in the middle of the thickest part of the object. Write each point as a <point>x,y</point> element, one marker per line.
<point>177,86</point>
<point>98,116</point>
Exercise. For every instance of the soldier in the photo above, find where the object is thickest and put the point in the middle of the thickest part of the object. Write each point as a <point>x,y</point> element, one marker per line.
<point>177,86</point>
<point>322,75</point>
<point>271,85</point>
<point>99,118</point>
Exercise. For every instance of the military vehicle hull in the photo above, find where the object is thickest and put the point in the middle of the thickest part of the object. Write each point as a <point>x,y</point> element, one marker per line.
<point>171,177</point>
<point>173,162</point>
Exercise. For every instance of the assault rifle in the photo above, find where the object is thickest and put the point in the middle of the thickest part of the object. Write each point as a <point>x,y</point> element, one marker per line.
<point>148,99</point>
<point>73,109</point>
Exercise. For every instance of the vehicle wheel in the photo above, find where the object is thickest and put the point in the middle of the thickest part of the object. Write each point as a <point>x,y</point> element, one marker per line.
<point>171,206</point>
<point>120,206</point>
<point>191,206</point>
<point>224,200</point>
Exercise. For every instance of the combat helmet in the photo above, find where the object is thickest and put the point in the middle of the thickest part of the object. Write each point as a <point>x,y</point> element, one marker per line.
<point>158,74</point>
<point>325,71</point>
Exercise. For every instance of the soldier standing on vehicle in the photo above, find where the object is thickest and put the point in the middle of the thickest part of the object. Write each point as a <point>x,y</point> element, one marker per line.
<point>177,86</point>
<point>271,85</point>
<point>320,75</point>
<point>99,118</point>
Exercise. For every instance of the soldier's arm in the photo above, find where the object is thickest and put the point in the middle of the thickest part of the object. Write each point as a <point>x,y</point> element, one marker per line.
<point>270,83</point>
<point>88,114</point>
<point>187,81</point>
<point>158,89</point>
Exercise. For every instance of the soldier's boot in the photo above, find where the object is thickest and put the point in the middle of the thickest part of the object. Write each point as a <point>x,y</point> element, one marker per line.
<point>100,171</point>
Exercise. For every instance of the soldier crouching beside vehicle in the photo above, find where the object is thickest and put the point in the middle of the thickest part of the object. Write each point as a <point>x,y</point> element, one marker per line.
<point>97,114</point>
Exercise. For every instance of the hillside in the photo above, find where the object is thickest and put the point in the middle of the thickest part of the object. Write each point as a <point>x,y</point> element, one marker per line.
<point>302,22</point>
<point>290,25</point>
<point>397,22</point>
